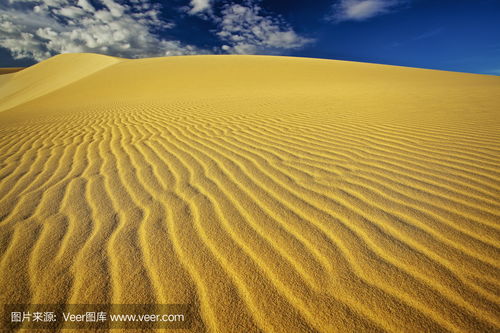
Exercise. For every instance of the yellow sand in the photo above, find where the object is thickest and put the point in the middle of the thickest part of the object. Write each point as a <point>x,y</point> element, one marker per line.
<point>273,194</point>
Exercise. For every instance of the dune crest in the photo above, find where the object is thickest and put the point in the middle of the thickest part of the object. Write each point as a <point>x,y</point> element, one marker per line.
<point>49,75</point>
<point>9,70</point>
<point>272,194</point>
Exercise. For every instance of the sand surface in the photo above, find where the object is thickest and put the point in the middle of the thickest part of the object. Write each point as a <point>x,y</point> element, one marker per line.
<point>272,194</point>
<point>8,70</point>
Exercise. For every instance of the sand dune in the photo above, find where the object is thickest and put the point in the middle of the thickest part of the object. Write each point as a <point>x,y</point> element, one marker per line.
<point>9,70</point>
<point>273,194</point>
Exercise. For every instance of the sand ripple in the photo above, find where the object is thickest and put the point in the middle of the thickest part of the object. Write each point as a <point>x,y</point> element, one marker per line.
<point>311,196</point>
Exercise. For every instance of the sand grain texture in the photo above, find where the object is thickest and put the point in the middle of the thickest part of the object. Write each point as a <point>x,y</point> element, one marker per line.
<point>273,194</point>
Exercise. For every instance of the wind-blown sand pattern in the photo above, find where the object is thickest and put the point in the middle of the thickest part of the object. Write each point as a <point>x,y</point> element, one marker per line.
<point>273,194</point>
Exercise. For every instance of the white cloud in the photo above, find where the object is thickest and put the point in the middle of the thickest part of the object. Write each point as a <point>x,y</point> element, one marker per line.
<point>198,6</point>
<point>246,31</point>
<point>38,29</point>
<point>85,4</point>
<point>115,9</point>
<point>70,11</point>
<point>359,10</point>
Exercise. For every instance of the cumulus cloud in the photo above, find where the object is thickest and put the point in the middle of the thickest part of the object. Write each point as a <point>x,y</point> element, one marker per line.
<point>198,6</point>
<point>245,30</point>
<point>38,29</point>
<point>359,10</point>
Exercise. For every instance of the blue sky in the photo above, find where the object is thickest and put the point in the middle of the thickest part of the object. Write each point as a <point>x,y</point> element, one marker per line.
<point>456,35</point>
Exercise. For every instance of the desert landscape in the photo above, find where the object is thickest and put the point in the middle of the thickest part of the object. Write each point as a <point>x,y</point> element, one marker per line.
<point>271,194</point>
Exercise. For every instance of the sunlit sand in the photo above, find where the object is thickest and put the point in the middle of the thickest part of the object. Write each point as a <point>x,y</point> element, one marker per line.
<point>272,194</point>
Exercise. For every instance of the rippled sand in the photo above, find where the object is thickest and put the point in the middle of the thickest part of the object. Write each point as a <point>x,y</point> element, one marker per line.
<point>272,194</point>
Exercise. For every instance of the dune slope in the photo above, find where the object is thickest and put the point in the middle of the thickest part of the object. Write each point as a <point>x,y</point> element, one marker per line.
<point>272,194</point>
<point>35,81</point>
<point>9,70</point>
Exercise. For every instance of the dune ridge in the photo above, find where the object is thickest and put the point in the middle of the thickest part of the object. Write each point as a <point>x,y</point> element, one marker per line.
<point>47,76</point>
<point>9,70</point>
<point>273,194</point>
